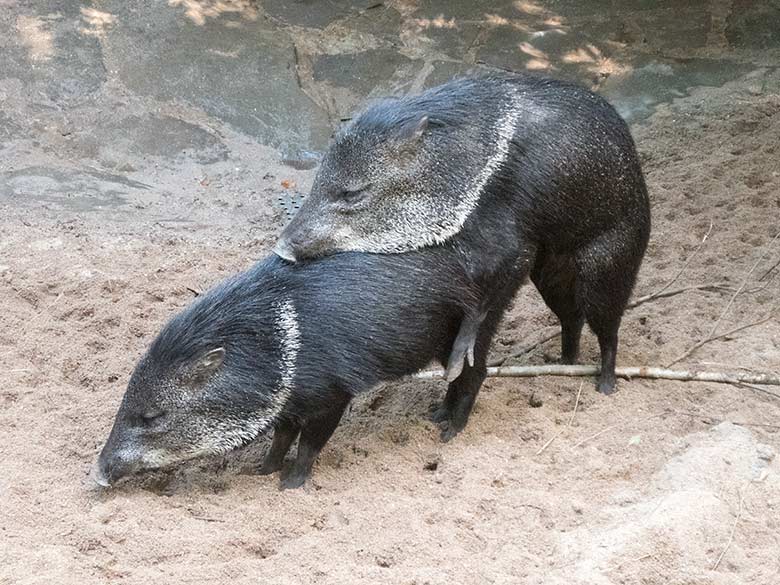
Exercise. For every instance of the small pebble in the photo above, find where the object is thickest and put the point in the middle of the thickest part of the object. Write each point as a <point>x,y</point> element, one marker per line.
<point>535,400</point>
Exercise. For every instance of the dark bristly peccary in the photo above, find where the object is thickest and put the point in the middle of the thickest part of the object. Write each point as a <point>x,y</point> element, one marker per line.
<point>515,175</point>
<point>285,347</point>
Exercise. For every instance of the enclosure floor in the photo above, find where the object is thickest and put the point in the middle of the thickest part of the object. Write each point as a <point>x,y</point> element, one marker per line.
<point>140,160</point>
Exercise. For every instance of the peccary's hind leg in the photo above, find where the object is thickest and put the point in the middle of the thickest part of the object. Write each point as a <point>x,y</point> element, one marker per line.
<point>284,435</point>
<point>463,347</point>
<point>554,276</point>
<point>454,412</point>
<point>314,434</point>
<point>461,394</point>
<point>606,271</point>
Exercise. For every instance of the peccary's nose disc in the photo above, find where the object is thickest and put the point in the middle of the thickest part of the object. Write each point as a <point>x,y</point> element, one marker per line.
<point>284,250</point>
<point>99,475</point>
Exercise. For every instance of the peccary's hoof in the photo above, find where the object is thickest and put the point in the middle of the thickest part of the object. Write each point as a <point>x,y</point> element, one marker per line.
<point>267,469</point>
<point>448,431</point>
<point>439,413</point>
<point>606,387</point>
<point>293,481</point>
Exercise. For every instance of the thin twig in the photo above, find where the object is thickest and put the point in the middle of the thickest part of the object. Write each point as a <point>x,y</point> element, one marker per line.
<point>711,287</point>
<point>775,265</point>
<point>733,530</point>
<point>713,420</point>
<point>571,420</point>
<point>650,372</point>
<point>685,264</point>
<point>742,286</point>
<point>525,350</point>
<point>576,403</point>
<point>714,286</point>
<point>206,518</point>
<point>636,560</point>
<point>618,424</point>
<point>710,338</point>
<point>757,389</point>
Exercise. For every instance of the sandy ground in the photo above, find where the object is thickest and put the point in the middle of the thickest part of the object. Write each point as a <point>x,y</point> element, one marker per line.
<point>651,485</point>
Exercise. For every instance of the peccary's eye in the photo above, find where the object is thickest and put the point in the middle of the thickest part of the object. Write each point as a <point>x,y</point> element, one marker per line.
<point>152,416</point>
<point>352,196</point>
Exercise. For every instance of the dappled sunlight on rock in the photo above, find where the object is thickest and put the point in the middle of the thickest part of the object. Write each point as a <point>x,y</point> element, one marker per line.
<point>582,55</point>
<point>532,8</point>
<point>594,61</point>
<point>198,11</point>
<point>97,22</point>
<point>439,22</point>
<point>35,37</point>
<point>539,60</point>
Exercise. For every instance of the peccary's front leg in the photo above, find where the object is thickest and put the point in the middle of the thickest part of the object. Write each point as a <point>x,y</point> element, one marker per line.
<point>284,435</point>
<point>314,434</point>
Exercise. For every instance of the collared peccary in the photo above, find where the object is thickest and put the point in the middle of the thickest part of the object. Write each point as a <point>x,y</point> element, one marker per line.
<point>286,346</point>
<point>504,171</point>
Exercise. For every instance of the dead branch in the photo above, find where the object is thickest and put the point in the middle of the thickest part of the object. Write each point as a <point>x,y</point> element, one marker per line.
<point>660,294</point>
<point>525,350</point>
<point>616,425</point>
<point>768,272</point>
<point>710,338</point>
<point>650,372</point>
<point>711,287</point>
<point>733,530</point>
<point>713,420</point>
<point>684,266</point>
<point>757,389</point>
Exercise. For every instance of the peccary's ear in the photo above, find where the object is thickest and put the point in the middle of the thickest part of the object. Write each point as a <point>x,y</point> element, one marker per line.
<point>206,365</point>
<point>413,130</point>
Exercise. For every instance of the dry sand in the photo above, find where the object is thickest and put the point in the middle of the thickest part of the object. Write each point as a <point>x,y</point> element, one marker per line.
<point>654,500</point>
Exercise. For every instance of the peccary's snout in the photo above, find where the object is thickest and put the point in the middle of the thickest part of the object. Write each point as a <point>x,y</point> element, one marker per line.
<point>109,469</point>
<point>116,460</point>
<point>303,239</point>
<point>285,250</point>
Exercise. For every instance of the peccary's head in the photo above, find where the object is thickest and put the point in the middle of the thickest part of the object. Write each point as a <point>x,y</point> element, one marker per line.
<point>400,177</point>
<point>209,383</point>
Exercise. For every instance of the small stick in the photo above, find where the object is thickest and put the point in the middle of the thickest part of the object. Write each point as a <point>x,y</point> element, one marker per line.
<point>728,305</point>
<point>525,350</point>
<point>610,427</point>
<point>206,518</point>
<point>194,291</point>
<point>775,265</point>
<point>601,432</point>
<point>757,389</point>
<point>714,286</point>
<point>650,372</point>
<point>744,283</point>
<point>733,530</point>
<point>636,560</point>
<point>709,338</point>
<point>712,420</point>
<point>711,287</point>
<point>684,266</point>
<point>571,420</point>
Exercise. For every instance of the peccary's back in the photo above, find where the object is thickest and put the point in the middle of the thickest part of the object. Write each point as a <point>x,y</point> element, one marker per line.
<point>571,171</point>
<point>364,318</point>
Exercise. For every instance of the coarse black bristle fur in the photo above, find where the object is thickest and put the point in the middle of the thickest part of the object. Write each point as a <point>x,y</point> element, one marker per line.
<point>362,318</point>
